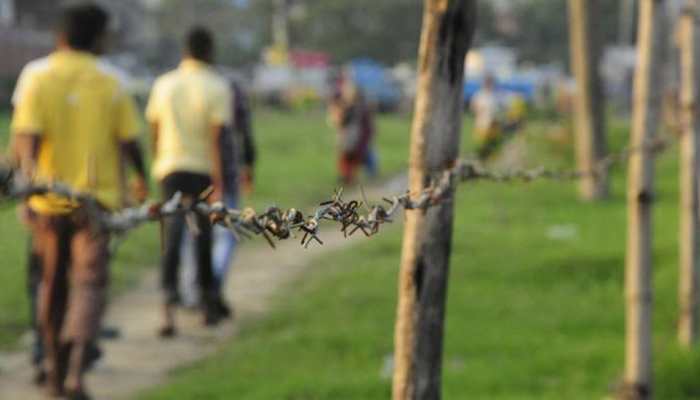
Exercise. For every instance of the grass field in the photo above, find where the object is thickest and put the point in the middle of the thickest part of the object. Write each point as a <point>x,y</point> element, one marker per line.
<point>296,168</point>
<point>535,308</point>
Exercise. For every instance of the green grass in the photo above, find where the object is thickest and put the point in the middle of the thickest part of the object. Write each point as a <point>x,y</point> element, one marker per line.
<point>297,156</point>
<point>529,317</point>
<point>296,168</point>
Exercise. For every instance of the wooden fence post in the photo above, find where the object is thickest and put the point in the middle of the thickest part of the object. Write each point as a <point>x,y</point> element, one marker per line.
<point>448,27</point>
<point>589,102</point>
<point>648,87</point>
<point>689,242</point>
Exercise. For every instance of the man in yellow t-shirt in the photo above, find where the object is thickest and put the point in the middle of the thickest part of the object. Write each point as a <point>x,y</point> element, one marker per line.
<point>73,123</point>
<point>188,110</point>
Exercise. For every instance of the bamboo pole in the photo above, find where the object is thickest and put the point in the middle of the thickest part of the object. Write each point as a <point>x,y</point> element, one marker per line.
<point>689,223</point>
<point>640,192</point>
<point>589,102</point>
<point>448,27</point>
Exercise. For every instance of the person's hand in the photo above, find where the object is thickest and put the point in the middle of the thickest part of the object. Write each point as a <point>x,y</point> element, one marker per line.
<point>247,180</point>
<point>217,192</point>
<point>139,189</point>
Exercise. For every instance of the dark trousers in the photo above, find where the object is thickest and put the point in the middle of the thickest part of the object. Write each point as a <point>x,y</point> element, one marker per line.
<point>190,185</point>
<point>33,281</point>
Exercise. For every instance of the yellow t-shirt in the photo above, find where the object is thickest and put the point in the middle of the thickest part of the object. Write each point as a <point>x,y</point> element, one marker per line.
<point>81,110</point>
<point>186,103</point>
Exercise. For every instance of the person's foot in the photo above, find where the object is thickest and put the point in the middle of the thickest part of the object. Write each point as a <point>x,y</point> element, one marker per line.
<point>53,387</point>
<point>78,394</point>
<point>39,378</point>
<point>212,316</point>
<point>91,356</point>
<point>110,333</point>
<point>224,310</point>
<point>167,332</point>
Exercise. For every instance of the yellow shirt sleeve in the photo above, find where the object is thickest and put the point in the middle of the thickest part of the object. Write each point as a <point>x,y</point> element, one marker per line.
<point>220,107</point>
<point>28,116</point>
<point>127,120</point>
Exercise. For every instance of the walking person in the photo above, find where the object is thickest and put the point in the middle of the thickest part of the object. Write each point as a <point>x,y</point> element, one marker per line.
<point>73,123</point>
<point>238,154</point>
<point>487,108</point>
<point>353,119</point>
<point>189,110</point>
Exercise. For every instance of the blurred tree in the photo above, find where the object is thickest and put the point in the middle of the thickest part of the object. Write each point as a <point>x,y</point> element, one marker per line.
<point>539,27</point>
<point>240,28</point>
<point>386,30</point>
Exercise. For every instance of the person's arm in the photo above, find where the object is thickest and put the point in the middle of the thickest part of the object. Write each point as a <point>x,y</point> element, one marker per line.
<point>243,126</point>
<point>219,118</point>
<point>217,173</point>
<point>27,125</point>
<point>129,146</point>
<point>25,152</point>
<point>154,138</point>
<point>131,152</point>
<point>153,116</point>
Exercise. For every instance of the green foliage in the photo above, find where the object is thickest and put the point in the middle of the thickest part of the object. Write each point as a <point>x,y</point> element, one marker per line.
<point>240,32</point>
<point>386,30</point>
<point>543,28</point>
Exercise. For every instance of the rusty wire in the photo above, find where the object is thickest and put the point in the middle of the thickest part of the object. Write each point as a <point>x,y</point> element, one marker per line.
<point>280,224</point>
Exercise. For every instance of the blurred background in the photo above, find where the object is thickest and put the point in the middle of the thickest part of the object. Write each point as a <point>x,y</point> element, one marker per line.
<point>288,51</point>
<point>535,307</point>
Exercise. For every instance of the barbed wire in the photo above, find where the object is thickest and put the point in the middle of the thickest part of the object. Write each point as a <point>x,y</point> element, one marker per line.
<point>281,224</point>
<point>474,170</point>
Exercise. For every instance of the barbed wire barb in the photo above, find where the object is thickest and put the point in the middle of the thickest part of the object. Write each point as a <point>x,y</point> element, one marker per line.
<point>276,224</point>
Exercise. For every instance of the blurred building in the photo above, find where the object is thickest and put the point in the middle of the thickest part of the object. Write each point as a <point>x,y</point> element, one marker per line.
<point>24,35</point>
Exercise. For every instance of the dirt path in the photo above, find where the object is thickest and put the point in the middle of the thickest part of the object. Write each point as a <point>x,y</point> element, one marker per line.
<point>138,360</point>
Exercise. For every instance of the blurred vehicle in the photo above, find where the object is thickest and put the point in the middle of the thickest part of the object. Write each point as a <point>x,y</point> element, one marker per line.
<point>530,83</point>
<point>297,80</point>
<point>523,87</point>
<point>380,88</point>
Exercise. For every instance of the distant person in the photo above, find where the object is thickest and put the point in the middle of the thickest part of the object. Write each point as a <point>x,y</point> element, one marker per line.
<point>73,123</point>
<point>189,111</point>
<point>515,115</point>
<point>238,156</point>
<point>354,121</point>
<point>487,108</point>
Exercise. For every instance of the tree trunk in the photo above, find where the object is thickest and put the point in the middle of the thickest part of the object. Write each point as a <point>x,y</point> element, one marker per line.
<point>625,36</point>
<point>640,192</point>
<point>448,27</point>
<point>689,149</point>
<point>589,113</point>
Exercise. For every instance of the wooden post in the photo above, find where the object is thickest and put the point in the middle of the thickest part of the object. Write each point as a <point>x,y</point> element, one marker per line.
<point>448,27</point>
<point>640,193</point>
<point>689,164</point>
<point>625,36</point>
<point>589,103</point>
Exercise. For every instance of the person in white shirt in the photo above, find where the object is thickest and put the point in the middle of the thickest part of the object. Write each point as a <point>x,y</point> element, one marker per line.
<point>487,109</point>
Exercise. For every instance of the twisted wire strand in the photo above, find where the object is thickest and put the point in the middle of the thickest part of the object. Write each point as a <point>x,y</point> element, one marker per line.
<point>281,224</point>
